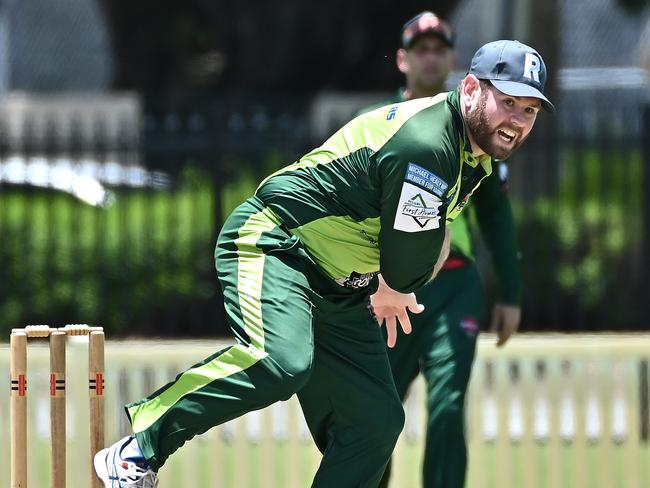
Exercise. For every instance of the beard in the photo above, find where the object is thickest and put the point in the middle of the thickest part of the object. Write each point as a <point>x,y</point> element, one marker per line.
<point>486,136</point>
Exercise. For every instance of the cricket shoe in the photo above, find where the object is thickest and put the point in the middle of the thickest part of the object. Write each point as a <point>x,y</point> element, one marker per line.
<point>119,466</point>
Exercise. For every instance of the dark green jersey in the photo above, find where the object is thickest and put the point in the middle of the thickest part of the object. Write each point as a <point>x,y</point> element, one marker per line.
<point>491,206</point>
<point>375,197</point>
<point>460,234</point>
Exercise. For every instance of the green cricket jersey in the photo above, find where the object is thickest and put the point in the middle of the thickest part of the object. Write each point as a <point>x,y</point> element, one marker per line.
<point>494,217</point>
<point>375,197</point>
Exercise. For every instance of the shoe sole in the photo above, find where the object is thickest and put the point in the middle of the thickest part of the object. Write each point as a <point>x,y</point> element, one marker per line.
<point>99,462</point>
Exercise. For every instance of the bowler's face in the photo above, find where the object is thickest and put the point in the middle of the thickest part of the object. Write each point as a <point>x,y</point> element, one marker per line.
<point>501,123</point>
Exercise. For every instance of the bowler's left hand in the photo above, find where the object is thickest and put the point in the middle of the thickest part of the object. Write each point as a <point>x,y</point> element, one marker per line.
<point>505,321</point>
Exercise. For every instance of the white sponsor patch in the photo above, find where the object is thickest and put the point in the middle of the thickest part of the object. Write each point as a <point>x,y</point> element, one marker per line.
<point>418,210</point>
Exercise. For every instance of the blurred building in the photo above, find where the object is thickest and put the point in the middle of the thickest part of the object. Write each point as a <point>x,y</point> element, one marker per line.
<point>50,46</point>
<point>592,32</point>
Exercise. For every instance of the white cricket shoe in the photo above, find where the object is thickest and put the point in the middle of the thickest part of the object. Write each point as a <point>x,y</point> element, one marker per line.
<point>118,472</point>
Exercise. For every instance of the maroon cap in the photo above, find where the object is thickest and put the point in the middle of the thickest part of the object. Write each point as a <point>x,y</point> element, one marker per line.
<point>426,23</point>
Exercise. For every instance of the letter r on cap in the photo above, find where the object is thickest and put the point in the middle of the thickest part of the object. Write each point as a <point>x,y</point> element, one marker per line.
<point>532,66</point>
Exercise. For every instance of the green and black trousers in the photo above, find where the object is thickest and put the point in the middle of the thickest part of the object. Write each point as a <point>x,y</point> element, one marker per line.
<point>297,332</point>
<point>441,347</point>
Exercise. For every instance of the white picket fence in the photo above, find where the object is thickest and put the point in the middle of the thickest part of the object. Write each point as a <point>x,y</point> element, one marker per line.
<point>546,411</point>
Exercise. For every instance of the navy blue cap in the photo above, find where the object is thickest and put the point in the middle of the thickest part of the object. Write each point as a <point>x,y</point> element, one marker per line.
<point>513,68</point>
<point>426,23</point>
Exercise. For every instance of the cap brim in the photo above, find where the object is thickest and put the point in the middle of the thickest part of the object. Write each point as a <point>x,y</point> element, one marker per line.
<point>429,32</point>
<point>516,89</point>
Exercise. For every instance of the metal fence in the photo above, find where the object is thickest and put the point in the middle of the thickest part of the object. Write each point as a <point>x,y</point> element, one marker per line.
<point>109,212</point>
<point>579,189</point>
<point>547,411</point>
<point>109,209</point>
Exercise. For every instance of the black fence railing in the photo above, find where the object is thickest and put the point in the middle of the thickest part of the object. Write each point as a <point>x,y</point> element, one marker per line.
<point>578,191</point>
<point>115,225</point>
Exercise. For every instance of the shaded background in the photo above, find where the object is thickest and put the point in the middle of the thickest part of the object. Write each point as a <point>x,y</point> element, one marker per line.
<point>129,130</point>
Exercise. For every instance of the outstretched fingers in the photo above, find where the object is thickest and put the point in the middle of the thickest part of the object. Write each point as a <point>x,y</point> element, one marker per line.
<point>404,321</point>
<point>391,331</point>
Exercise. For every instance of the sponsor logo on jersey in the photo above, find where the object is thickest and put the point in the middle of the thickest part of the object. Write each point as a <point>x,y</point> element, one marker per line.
<point>426,179</point>
<point>469,325</point>
<point>461,205</point>
<point>391,113</point>
<point>372,240</point>
<point>357,280</point>
<point>417,210</point>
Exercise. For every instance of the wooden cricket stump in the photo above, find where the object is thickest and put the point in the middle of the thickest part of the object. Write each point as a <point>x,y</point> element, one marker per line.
<point>18,404</point>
